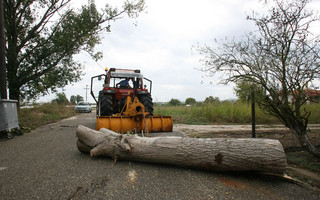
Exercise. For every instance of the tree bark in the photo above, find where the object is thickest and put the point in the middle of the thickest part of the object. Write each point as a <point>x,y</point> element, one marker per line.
<point>3,68</point>
<point>217,154</point>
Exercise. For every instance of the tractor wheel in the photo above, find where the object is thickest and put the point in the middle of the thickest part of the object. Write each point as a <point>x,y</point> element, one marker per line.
<point>105,104</point>
<point>146,100</point>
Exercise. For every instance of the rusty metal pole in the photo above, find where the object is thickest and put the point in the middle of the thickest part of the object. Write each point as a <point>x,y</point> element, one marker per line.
<point>3,70</point>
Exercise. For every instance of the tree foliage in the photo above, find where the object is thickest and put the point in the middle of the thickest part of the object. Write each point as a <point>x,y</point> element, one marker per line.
<point>244,91</point>
<point>281,58</point>
<point>75,99</point>
<point>212,100</point>
<point>43,36</point>
<point>174,102</point>
<point>61,98</point>
<point>191,101</point>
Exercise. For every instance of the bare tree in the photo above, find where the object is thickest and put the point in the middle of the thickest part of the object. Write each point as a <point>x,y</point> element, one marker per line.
<point>282,58</point>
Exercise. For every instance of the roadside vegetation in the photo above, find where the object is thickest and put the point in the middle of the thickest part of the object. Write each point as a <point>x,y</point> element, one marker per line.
<point>225,112</point>
<point>36,115</point>
<point>39,115</point>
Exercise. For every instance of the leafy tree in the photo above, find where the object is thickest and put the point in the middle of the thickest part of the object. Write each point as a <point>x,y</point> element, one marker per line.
<point>79,98</point>
<point>244,91</point>
<point>212,100</point>
<point>191,101</point>
<point>42,37</point>
<point>76,99</point>
<point>61,98</point>
<point>174,102</point>
<point>73,99</point>
<point>282,58</point>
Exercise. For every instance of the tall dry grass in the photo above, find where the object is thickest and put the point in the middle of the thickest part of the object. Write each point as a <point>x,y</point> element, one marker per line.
<point>39,115</point>
<point>225,113</point>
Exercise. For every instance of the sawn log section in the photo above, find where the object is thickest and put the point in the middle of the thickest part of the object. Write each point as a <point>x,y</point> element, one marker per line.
<point>217,154</point>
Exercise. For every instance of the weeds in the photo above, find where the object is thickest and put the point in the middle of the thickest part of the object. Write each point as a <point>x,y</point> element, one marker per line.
<point>224,113</point>
<point>31,118</point>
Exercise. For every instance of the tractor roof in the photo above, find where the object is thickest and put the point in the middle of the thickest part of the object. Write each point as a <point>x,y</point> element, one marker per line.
<point>125,73</point>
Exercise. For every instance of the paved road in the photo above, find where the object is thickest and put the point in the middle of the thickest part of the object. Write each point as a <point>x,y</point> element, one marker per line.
<point>45,164</point>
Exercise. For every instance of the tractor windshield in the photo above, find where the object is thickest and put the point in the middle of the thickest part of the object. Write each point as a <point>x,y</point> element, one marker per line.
<point>125,79</point>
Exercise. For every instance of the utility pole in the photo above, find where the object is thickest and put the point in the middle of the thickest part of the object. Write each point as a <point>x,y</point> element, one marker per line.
<point>86,88</point>
<point>3,71</point>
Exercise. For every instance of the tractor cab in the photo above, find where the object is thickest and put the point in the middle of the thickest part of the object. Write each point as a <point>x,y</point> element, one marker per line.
<point>120,78</point>
<point>126,82</point>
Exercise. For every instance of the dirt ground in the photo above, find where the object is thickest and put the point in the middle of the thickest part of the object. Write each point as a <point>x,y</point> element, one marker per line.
<point>301,164</point>
<point>278,132</point>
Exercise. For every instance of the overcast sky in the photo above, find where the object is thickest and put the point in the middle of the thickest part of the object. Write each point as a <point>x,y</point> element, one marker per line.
<point>161,46</point>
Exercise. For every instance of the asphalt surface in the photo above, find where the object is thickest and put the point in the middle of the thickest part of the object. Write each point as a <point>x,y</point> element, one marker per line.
<point>46,164</point>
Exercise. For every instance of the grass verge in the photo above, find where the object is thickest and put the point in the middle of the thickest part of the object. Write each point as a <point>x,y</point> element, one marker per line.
<point>225,113</point>
<point>31,118</point>
<point>221,113</point>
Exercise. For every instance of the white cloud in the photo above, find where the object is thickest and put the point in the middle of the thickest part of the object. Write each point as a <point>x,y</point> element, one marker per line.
<point>160,45</point>
<point>172,87</point>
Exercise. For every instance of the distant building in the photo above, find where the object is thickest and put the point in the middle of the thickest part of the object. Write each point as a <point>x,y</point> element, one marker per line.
<point>312,95</point>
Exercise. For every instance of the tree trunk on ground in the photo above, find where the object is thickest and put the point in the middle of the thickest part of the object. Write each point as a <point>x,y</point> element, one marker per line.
<point>217,154</point>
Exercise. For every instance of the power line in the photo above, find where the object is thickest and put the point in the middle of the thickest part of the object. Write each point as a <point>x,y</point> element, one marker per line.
<point>94,61</point>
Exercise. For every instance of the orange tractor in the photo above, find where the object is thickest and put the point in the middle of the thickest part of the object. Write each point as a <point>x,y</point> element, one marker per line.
<point>125,104</point>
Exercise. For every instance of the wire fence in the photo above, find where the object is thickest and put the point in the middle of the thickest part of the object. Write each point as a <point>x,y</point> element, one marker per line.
<point>311,109</point>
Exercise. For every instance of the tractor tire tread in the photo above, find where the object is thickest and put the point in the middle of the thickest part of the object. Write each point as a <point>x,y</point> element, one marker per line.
<point>106,105</point>
<point>146,100</point>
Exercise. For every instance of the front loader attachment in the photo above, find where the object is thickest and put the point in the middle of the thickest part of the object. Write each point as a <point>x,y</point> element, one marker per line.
<point>134,118</point>
<point>124,124</point>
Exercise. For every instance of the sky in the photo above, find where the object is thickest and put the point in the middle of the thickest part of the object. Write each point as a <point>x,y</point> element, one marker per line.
<point>159,43</point>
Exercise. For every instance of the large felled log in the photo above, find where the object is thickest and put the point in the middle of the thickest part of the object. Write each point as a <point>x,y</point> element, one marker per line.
<point>219,154</point>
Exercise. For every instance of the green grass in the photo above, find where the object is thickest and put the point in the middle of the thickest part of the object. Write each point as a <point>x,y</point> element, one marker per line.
<point>314,108</point>
<point>219,113</point>
<point>224,113</point>
<point>31,118</point>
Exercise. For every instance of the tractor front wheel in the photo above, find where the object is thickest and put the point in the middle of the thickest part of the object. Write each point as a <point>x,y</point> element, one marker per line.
<point>105,104</point>
<point>146,100</point>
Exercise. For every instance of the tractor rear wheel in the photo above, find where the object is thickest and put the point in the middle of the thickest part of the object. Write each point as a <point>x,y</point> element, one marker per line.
<point>105,104</point>
<point>146,100</point>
